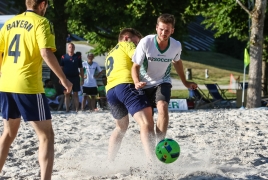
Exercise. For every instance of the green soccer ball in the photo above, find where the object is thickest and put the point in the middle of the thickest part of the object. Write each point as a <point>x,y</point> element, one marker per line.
<point>167,150</point>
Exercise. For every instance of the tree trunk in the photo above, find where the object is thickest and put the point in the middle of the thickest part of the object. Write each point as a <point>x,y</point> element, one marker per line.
<point>60,27</point>
<point>264,78</point>
<point>256,48</point>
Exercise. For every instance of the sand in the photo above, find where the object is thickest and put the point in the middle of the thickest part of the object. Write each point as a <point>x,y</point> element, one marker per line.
<point>215,144</point>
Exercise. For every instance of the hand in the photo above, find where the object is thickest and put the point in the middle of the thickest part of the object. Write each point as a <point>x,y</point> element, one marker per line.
<point>191,85</point>
<point>140,85</point>
<point>82,82</point>
<point>67,84</point>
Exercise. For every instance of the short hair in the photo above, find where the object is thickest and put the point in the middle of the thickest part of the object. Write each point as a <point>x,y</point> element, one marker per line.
<point>167,19</point>
<point>78,53</point>
<point>89,54</point>
<point>71,44</point>
<point>132,31</point>
<point>33,4</point>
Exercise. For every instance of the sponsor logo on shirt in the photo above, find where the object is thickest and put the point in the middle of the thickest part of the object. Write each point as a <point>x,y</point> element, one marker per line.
<point>159,59</point>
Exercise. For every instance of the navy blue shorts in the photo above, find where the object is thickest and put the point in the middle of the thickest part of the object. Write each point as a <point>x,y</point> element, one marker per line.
<point>76,83</point>
<point>124,98</point>
<point>32,107</point>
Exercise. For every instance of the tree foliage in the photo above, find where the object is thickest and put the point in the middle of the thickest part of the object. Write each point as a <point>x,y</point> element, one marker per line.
<point>235,18</point>
<point>100,21</point>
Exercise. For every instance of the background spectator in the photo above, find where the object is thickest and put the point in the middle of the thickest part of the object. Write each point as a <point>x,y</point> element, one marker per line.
<point>71,64</point>
<point>93,71</point>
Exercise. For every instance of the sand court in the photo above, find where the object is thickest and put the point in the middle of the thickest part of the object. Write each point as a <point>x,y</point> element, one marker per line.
<point>215,144</point>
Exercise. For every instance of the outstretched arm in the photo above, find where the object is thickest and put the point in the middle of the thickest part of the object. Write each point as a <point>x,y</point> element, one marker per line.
<point>179,69</point>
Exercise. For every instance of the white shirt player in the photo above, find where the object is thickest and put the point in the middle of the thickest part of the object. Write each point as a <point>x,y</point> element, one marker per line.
<point>90,81</point>
<point>155,63</point>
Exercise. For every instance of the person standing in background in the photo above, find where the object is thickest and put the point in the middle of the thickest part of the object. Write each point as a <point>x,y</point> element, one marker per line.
<point>93,71</point>
<point>71,64</point>
<point>25,41</point>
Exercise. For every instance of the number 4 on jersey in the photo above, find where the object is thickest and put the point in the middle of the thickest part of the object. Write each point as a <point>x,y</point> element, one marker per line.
<point>15,42</point>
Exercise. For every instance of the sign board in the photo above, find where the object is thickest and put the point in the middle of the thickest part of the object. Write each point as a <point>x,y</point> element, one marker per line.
<point>178,104</point>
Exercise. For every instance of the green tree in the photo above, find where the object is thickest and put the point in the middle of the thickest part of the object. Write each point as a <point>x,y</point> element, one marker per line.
<point>100,21</point>
<point>233,17</point>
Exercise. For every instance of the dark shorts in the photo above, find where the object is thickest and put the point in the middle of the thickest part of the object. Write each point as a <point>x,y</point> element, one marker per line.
<point>76,83</point>
<point>32,107</point>
<point>93,91</point>
<point>124,98</point>
<point>157,93</point>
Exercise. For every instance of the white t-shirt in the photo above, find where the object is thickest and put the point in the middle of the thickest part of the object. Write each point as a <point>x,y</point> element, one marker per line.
<point>156,64</point>
<point>90,81</point>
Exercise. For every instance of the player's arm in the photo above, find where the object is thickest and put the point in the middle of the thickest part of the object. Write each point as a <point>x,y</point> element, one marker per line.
<point>53,64</point>
<point>101,71</point>
<point>179,69</point>
<point>135,76</point>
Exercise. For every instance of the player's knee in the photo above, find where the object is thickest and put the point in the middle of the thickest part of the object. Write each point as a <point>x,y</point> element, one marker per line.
<point>162,105</point>
<point>47,136</point>
<point>10,136</point>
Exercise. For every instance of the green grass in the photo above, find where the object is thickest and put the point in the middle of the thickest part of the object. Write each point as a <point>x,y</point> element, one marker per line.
<point>219,66</point>
<point>184,94</point>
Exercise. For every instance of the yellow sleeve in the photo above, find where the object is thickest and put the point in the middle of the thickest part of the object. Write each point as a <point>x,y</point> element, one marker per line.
<point>45,35</point>
<point>2,40</point>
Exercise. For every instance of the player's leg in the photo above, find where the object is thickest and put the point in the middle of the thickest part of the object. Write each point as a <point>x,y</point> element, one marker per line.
<point>45,135</point>
<point>163,93</point>
<point>38,114</point>
<point>76,101</point>
<point>120,114</point>
<point>76,89</point>
<point>67,97</point>
<point>83,104</point>
<point>61,100</point>
<point>139,107</point>
<point>93,102</point>
<point>116,137</point>
<point>11,112</point>
<point>93,92</point>
<point>145,120</point>
<point>10,132</point>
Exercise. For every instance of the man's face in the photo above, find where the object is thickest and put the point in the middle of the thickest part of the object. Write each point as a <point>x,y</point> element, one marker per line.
<point>70,48</point>
<point>164,31</point>
<point>90,58</point>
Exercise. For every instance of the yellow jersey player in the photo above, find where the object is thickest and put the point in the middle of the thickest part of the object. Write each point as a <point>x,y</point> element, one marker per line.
<point>25,40</point>
<point>122,96</point>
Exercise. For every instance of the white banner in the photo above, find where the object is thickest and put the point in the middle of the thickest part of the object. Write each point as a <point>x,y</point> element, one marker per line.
<point>178,104</point>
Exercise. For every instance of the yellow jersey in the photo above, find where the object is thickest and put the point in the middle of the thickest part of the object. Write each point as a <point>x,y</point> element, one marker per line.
<point>118,64</point>
<point>21,39</point>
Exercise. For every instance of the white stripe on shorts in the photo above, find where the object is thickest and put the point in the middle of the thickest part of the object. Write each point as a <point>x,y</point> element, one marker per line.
<point>41,109</point>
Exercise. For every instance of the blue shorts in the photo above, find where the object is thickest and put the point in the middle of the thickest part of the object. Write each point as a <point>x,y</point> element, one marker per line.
<point>32,107</point>
<point>76,83</point>
<point>124,98</point>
